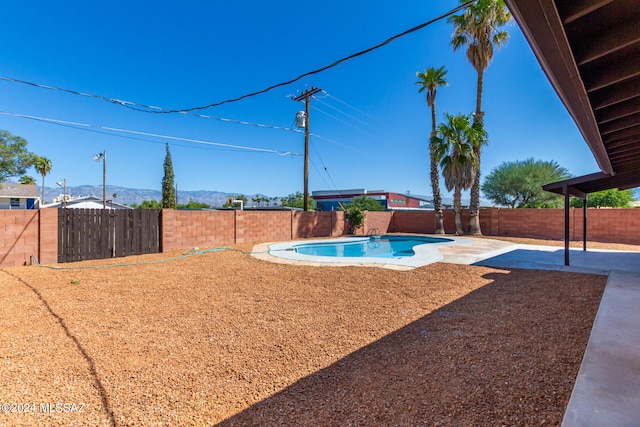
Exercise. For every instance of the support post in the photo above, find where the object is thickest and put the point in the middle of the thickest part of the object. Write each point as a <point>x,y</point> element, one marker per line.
<point>566,226</point>
<point>584,224</point>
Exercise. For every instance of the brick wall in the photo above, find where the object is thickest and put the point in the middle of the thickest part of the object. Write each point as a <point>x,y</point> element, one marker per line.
<point>314,224</point>
<point>19,236</point>
<point>48,229</point>
<point>262,226</point>
<point>378,221</point>
<point>188,229</point>
<point>31,232</point>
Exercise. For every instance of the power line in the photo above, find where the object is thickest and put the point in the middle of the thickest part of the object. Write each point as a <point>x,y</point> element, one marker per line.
<point>155,135</point>
<point>130,104</point>
<point>355,119</point>
<point>325,167</point>
<point>160,110</point>
<point>341,121</point>
<point>338,62</point>
<point>386,127</point>
<point>319,173</point>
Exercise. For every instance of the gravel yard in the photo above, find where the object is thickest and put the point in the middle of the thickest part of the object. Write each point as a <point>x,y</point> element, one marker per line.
<point>225,339</point>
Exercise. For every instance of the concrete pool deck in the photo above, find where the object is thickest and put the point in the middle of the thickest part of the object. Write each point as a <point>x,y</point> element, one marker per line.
<point>606,391</point>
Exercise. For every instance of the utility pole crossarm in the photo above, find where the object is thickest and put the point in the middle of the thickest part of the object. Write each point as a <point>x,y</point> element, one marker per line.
<point>306,95</point>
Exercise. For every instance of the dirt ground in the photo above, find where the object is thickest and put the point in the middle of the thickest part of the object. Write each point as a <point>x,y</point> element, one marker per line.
<point>224,339</point>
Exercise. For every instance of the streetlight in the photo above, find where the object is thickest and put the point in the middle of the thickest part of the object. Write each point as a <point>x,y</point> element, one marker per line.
<point>63,184</point>
<point>103,156</point>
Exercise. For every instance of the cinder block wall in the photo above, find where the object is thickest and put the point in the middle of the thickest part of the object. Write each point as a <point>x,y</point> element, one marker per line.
<point>378,221</point>
<point>312,224</point>
<point>19,236</point>
<point>608,225</point>
<point>262,226</point>
<point>30,232</point>
<point>538,223</point>
<point>188,229</point>
<point>48,229</point>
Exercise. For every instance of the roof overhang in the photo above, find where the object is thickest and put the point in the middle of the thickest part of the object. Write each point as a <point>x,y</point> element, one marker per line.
<point>582,185</point>
<point>590,52</point>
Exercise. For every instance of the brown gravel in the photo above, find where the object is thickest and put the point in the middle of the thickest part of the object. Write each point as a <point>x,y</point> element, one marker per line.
<point>226,338</point>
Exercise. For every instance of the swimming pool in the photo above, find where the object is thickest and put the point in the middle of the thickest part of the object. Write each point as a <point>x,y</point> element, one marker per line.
<point>390,251</point>
<point>374,246</point>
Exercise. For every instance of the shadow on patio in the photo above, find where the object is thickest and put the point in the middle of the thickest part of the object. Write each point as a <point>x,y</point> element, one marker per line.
<point>550,258</point>
<point>506,353</point>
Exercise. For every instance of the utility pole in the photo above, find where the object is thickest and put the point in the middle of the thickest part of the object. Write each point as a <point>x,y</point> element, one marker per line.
<point>306,95</point>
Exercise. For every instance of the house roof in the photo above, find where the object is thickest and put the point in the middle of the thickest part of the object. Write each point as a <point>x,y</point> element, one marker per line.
<point>19,191</point>
<point>590,52</point>
<point>87,200</point>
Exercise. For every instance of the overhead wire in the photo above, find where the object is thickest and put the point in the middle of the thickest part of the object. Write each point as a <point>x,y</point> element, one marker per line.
<point>381,127</point>
<point>344,122</point>
<point>319,172</point>
<point>155,135</point>
<point>324,166</point>
<point>130,103</point>
<point>160,110</point>
<point>347,114</point>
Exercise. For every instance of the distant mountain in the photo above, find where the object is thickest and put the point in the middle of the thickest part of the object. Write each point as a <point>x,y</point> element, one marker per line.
<point>129,196</point>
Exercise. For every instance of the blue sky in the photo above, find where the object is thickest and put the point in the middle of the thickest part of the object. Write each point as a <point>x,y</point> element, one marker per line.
<point>370,128</point>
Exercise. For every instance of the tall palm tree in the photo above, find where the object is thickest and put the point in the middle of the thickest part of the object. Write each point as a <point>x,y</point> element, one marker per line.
<point>43,166</point>
<point>479,28</point>
<point>455,152</point>
<point>429,82</point>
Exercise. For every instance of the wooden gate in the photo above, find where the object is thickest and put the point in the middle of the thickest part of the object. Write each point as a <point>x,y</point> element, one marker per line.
<point>107,233</point>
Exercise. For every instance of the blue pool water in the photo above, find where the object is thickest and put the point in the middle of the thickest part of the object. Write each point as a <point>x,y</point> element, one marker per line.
<point>374,246</point>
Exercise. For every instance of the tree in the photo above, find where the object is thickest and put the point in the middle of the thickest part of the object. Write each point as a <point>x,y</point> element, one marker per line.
<point>519,184</point>
<point>354,215</point>
<point>429,82</point>
<point>365,203</point>
<point>192,204</point>
<point>15,159</point>
<point>168,185</point>
<point>478,28</point>
<point>261,201</point>
<point>613,198</point>
<point>296,200</point>
<point>147,204</point>
<point>27,180</point>
<point>43,166</point>
<point>455,152</point>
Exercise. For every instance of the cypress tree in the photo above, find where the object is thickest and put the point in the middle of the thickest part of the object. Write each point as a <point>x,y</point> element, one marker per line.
<point>168,186</point>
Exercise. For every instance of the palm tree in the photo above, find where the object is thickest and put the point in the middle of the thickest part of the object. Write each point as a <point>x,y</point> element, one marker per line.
<point>478,28</point>
<point>456,154</point>
<point>430,81</point>
<point>43,166</point>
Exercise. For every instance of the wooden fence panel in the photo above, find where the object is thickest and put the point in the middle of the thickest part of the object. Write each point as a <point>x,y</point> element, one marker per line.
<point>105,233</point>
